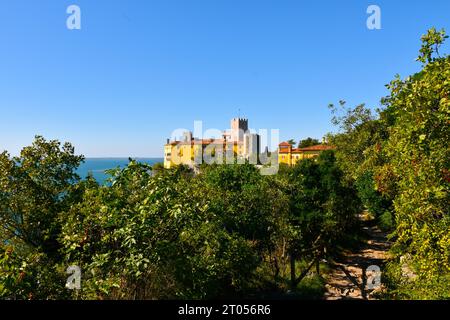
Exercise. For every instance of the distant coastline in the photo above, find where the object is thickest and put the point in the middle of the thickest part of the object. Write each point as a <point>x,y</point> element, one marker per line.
<point>97,166</point>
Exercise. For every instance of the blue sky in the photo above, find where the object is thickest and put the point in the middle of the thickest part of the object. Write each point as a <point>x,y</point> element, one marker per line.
<point>139,69</point>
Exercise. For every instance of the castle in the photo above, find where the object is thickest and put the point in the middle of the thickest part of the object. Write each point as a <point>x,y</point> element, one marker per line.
<point>235,143</point>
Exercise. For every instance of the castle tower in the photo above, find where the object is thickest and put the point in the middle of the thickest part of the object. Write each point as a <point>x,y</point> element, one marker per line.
<point>238,127</point>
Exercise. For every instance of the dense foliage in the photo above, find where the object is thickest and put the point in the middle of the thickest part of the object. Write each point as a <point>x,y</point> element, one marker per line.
<point>399,161</point>
<point>225,231</point>
<point>35,188</point>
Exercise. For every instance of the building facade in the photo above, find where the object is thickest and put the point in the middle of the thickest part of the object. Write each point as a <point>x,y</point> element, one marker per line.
<point>290,156</point>
<point>235,143</point>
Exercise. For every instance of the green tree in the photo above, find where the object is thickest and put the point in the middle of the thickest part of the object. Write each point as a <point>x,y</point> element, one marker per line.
<point>308,142</point>
<point>322,210</point>
<point>174,234</point>
<point>291,142</point>
<point>35,188</point>
<point>359,153</point>
<point>418,155</point>
<point>399,162</point>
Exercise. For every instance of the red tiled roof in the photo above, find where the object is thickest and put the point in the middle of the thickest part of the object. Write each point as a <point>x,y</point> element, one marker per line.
<point>318,147</point>
<point>284,143</point>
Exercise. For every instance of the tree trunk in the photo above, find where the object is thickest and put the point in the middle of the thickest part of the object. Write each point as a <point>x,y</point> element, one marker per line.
<point>293,282</point>
<point>318,267</point>
<point>305,272</point>
<point>364,282</point>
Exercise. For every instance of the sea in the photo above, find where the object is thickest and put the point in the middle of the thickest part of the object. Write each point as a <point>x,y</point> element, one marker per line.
<point>97,166</point>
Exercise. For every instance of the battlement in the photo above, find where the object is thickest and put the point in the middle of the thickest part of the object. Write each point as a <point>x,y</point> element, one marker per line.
<point>240,119</point>
<point>239,124</point>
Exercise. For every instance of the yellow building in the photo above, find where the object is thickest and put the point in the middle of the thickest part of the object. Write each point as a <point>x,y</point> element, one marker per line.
<point>290,156</point>
<point>198,151</point>
<point>235,143</point>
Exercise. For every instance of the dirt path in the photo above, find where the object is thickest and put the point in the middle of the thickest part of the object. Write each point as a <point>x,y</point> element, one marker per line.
<point>345,281</point>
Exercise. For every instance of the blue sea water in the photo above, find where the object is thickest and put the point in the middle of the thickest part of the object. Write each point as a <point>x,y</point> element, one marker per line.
<point>97,166</point>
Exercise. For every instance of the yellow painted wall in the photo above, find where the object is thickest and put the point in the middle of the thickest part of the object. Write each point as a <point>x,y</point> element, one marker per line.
<point>291,159</point>
<point>186,153</point>
<point>167,156</point>
<point>284,158</point>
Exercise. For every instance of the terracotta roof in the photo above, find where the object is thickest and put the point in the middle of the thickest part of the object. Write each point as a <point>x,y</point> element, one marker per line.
<point>284,143</point>
<point>318,147</point>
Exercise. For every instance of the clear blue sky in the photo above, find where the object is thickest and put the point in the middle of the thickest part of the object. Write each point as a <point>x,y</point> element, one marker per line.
<point>139,69</point>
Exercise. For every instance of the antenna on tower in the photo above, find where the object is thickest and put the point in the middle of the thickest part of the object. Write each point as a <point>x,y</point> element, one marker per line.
<point>239,113</point>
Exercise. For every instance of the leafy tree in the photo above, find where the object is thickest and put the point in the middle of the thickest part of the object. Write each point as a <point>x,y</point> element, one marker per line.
<point>35,188</point>
<point>418,156</point>
<point>322,210</point>
<point>359,153</point>
<point>308,142</point>
<point>359,131</point>
<point>431,42</point>
<point>399,162</point>
<point>173,234</point>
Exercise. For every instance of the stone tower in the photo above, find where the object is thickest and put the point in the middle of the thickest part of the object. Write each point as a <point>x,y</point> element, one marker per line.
<point>239,126</point>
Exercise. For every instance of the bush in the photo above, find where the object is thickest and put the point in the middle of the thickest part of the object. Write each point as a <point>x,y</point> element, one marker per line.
<point>386,222</point>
